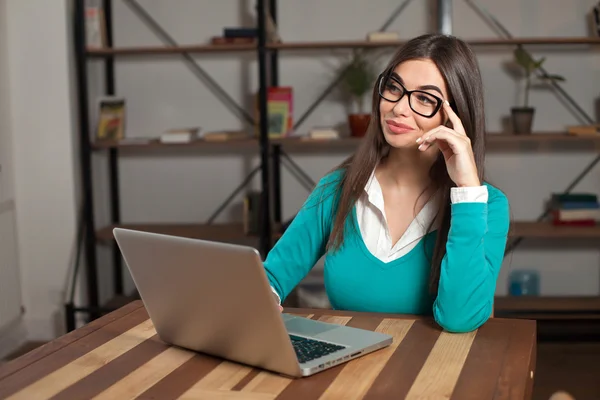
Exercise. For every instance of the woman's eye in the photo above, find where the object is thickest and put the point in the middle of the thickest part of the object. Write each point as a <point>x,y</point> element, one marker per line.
<point>425,99</point>
<point>394,89</point>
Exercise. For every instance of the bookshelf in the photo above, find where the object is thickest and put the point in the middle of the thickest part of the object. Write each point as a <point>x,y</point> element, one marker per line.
<point>349,44</point>
<point>157,50</point>
<point>557,141</point>
<point>233,232</point>
<point>199,144</point>
<point>356,44</point>
<point>91,235</point>
<point>267,56</point>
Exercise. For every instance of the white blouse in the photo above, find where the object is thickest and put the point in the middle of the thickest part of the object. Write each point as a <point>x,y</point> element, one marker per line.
<point>370,213</point>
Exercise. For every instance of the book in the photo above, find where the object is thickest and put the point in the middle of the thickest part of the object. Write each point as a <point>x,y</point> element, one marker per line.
<point>575,209</point>
<point>252,212</point>
<point>95,25</point>
<point>240,32</point>
<point>279,110</point>
<point>558,198</point>
<point>225,135</point>
<point>584,129</point>
<point>323,133</point>
<point>577,215</point>
<point>180,135</point>
<point>382,36</point>
<point>111,118</point>
<point>594,20</point>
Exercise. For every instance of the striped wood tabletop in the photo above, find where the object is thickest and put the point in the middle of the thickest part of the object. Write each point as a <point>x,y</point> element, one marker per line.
<point>119,356</point>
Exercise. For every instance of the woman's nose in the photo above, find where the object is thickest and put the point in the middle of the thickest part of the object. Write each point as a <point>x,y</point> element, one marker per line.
<point>402,107</point>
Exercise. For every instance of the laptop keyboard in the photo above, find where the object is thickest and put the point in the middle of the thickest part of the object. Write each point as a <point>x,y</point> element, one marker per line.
<point>310,349</point>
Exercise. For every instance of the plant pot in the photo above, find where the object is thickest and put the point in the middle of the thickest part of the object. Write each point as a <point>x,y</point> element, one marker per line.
<point>358,124</point>
<point>522,119</point>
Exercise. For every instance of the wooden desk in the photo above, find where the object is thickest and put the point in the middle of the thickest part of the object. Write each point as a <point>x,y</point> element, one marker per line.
<point>119,356</point>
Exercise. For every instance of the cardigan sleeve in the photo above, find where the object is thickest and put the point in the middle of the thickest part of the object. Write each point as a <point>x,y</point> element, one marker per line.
<point>470,268</point>
<point>305,239</point>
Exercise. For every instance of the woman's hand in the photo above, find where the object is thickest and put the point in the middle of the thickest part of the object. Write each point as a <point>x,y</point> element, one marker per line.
<point>277,301</point>
<point>456,148</point>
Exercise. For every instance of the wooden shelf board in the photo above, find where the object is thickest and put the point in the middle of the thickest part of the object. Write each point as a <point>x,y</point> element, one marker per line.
<point>151,50</point>
<point>312,45</point>
<point>560,139</point>
<point>494,140</point>
<point>235,232</point>
<point>541,137</point>
<point>351,44</point>
<point>548,231</point>
<point>572,316</point>
<point>119,301</point>
<point>237,144</point>
<point>196,231</point>
<point>535,40</point>
<point>348,44</point>
<point>228,233</point>
<point>307,144</point>
<point>542,304</point>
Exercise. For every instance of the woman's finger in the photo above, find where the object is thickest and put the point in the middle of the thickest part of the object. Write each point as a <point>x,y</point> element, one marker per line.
<point>453,140</point>
<point>438,129</point>
<point>456,122</point>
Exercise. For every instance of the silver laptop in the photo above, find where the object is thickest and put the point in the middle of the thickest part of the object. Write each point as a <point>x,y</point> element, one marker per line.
<point>215,298</point>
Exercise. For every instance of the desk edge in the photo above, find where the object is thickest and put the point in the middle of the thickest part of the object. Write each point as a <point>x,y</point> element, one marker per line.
<point>13,366</point>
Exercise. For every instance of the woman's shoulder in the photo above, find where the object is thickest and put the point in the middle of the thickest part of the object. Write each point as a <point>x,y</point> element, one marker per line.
<point>327,188</point>
<point>334,176</point>
<point>331,181</point>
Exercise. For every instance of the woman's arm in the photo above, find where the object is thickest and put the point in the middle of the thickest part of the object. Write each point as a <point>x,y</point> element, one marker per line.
<point>304,241</point>
<point>469,270</point>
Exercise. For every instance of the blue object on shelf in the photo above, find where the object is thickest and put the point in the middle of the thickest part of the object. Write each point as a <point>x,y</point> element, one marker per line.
<point>524,283</point>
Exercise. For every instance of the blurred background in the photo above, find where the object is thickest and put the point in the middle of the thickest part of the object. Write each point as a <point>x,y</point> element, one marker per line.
<point>146,114</point>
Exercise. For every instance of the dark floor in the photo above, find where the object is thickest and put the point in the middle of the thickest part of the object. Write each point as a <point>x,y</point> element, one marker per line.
<point>570,367</point>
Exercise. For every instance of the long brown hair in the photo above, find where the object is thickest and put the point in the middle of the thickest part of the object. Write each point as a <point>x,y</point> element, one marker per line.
<point>458,66</point>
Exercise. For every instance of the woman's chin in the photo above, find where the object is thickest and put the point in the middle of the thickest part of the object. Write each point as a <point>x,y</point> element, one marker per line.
<point>404,141</point>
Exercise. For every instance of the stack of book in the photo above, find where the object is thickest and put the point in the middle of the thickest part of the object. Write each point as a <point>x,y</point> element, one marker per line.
<point>235,35</point>
<point>575,209</point>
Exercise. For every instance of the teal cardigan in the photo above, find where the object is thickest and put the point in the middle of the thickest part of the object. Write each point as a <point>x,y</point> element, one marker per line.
<point>358,281</point>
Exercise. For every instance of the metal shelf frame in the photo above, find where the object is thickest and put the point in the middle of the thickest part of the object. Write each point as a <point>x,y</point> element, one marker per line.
<point>272,153</point>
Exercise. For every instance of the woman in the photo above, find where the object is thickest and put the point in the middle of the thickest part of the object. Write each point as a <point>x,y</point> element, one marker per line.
<point>407,224</point>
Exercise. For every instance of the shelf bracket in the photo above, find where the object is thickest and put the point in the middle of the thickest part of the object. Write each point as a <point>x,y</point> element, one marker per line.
<point>235,192</point>
<point>541,72</point>
<point>495,24</point>
<point>299,173</point>
<point>338,79</point>
<point>191,63</point>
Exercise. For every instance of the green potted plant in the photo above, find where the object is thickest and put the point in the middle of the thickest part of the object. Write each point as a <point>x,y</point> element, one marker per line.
<point>522,117</point>
<point>358,77</point>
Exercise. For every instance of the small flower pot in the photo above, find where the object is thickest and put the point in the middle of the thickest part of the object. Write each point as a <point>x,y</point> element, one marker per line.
<point>522,119</point>
<point>358,124</point>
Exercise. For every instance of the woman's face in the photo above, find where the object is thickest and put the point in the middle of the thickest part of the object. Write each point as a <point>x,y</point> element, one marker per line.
<point>401,124</point>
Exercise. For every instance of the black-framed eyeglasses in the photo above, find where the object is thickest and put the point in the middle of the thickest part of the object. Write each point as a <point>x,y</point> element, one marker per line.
<point>423,103</point>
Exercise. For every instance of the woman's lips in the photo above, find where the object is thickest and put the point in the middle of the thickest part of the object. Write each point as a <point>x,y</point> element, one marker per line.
<point>398,128</point>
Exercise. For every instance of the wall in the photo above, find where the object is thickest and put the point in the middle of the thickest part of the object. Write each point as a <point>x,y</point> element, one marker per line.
<point>163,93</point>
<point>11,321</point>
<point>40,86</point>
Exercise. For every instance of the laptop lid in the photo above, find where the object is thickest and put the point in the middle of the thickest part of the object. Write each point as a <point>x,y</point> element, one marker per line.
<point>209,297</point>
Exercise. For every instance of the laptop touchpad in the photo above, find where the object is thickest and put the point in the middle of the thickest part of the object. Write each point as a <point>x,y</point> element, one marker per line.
<point>304,326</point>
